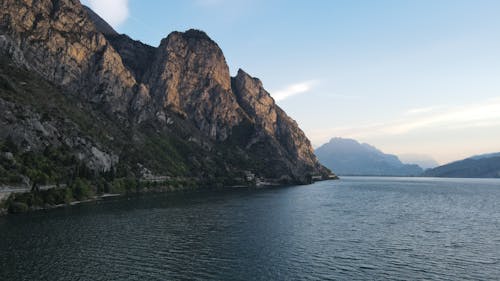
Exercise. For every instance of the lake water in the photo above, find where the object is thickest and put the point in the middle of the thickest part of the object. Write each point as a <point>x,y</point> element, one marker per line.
<point>352,229</point>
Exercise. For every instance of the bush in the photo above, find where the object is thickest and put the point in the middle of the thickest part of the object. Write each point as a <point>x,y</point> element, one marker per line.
<point>38,177</point>
<point>27,198</point>
<point>81,190</point>
<point>118,186</point>
<point>54,196</point>
<point>68,195</point>
<point>130,185</point>
<point>18,207</point>
<point>100,185</point>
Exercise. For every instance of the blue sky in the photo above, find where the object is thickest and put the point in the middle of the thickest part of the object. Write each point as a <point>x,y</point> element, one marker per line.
<point>420,76</point>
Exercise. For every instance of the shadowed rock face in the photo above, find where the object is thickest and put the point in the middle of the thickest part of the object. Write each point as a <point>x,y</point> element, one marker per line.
<point>186,79</point>
<point>271,120</point>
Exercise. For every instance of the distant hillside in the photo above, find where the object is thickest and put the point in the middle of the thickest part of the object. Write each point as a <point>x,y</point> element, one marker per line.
<point>482,156</point>
<point>424,161</point>
<point>349,157</point>
<point>480,166</point>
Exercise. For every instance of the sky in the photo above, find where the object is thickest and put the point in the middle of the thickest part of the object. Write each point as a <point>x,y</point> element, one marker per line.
<point>407,76</point>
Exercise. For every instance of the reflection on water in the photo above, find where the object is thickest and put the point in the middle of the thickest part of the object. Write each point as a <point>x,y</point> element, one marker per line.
<point>356,228</point>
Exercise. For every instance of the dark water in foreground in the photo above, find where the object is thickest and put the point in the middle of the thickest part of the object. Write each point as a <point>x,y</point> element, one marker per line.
<point>356,228</point>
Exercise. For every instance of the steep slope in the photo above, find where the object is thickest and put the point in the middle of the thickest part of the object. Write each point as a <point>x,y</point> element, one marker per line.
<point>276,137</point>
<point>349,157</point>
<point>190,76</point>
<point>37,117</point>
<point>126,109</point>
<point>481,166</point>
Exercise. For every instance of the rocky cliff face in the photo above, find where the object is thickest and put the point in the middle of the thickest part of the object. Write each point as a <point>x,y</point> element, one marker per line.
<point>190,76</point>
<point>270,120</point>
<point>58,40</point>
<point>176,101</point>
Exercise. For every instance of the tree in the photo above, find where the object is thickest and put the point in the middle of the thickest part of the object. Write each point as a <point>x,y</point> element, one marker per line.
<point>37,178</point>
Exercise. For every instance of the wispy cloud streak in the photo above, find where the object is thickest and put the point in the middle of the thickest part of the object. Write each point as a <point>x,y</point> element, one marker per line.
<point>293,90</point>
<point>420,110</point>
<point>461,117</point>
<point>482,114</point>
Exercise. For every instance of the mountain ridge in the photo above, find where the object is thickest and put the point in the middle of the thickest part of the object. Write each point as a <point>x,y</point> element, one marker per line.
<point>478,166</point>
<point>172,110</point>
<point>423,160</point>
<point>349,157</point>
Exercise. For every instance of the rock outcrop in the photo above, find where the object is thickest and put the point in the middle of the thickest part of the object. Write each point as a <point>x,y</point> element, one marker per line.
<point>58,40</point>
<point>190,76</point>
<point>289,143</point>
<point>177,101</point>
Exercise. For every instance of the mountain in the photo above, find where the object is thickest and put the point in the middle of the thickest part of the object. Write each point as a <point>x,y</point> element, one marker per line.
<point>487,155</point>
<point>349,157</point>
<point>424,161</point>
<point>80,101</point>
<point>479,166</point>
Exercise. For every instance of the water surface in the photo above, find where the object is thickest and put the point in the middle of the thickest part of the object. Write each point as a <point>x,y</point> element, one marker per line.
<point>352,229</point>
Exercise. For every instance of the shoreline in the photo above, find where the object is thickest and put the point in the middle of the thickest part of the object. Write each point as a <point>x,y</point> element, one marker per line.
<point>4,211</point>
<point>158,190</point>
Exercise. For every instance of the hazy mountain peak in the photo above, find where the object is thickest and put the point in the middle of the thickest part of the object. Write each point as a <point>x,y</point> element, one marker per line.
<point>349,157</point>
<point>424,161</point>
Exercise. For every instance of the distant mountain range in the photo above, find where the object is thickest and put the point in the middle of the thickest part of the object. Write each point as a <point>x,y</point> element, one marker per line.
<point>349,157</point>
<point>424,161</point>
<point>479,166</point>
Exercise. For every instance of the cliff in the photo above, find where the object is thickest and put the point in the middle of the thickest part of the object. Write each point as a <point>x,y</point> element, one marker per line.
<point>72,85</point>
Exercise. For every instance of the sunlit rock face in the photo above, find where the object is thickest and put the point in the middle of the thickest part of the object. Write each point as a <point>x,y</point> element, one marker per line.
<point>190,75</point>
<point>58,40</point>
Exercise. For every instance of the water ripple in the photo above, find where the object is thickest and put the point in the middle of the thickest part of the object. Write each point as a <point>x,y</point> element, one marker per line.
<point>353,229</point>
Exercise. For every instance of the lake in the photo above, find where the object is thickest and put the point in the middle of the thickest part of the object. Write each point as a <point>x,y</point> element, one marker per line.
<point>358,228</point>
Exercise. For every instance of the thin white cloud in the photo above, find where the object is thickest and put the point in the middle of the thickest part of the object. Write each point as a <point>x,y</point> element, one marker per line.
<point>481,114</point>
<point>421,110</point>
<point>293,90</point>
<point>473,115</point>
<point>115,12</point>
